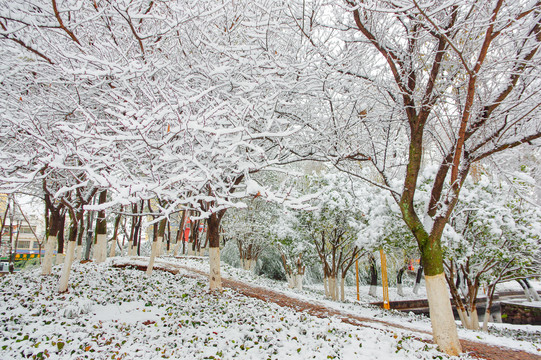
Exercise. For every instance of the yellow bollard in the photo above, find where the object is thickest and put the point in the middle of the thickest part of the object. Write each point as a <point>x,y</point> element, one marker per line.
<point>384,282</point>
<point>357,277</point>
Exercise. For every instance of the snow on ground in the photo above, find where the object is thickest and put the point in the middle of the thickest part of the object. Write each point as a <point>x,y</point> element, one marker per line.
<point>519,338</point>
<point>124,314</point>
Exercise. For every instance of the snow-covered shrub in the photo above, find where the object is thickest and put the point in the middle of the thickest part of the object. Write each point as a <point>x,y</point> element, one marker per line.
<point>269,264</point>
<point>230,254</point>
<point>74,311</point>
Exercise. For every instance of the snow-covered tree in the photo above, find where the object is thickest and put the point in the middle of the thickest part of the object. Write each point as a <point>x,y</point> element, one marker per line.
<point>296,250</point>
<point>169,99</point>
<point>250,228</point>
<point>494,237</point>
<point>408,84</point>
<point>381,227</point>
<point>332,226</point>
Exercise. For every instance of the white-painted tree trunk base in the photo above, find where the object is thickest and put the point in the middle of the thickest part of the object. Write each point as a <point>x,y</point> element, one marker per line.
<point>100,249</point>
<point>496,317</point>
<point>161,249</point>
<point>66,268</point>
<point>399,289</point>
<point>298,281</point>
<point>215,276</point>
<point>132,250</point>
<point>248,264</point>
<point>474,320</point>
<point>79,253</point>
<point>342,289</point>
<point>59,259</point>
<point>527,294</point>
<point>112,250</point>
<point>191,252</point>
<point>463,318</point>
<point>332,288</point>
<point>416,288</point>
<point>155,248</point>
<point>177,248</point>
<point>289,281</point>
<point>47,263</point>
<point>150,265</point>
<point>373,290</point>
<point>441,315</point>
<point>534,294</point>
<point>485,319</point>
<point>326,286</point>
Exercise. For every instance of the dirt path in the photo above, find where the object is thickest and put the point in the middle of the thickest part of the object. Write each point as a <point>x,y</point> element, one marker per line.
<point>476,349</point>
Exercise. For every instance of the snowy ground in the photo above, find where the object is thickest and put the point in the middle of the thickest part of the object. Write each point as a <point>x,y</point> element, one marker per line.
<point>123,314</point>
<point>520,337</point>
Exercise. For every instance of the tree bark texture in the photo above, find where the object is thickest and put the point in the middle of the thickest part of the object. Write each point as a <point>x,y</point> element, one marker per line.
<point>100,250</point>
<point>214,250</point>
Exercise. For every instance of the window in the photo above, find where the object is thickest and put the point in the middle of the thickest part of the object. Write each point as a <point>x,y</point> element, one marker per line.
<point>23,245</point>
<point>26,230</point>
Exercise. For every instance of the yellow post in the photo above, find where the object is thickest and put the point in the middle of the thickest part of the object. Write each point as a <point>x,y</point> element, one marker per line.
<point>384,282</point>
<point>357,277</point>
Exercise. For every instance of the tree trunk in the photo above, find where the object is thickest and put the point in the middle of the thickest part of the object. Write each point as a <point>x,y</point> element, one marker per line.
<point>158,238</point>
<point>139,239</point>
<point>160,251</point>
<point>68,261</point>
<point>333,287</point>
<point>527,293</point>
<point>4,223</point>
<point>533,292</point>
<point>180,235</point>
<point>214,250</point>
<point>373,276</point>
<point>465,318</point>
<point>78,253</point>
<point>100,250</point>
<point>298,281</point>
<point>47,264</point>
<point>248,264</point>
<point>399,276</point>
<point>441,314</point>
<point>60,235</point>
<point>115,235</point>
<point>89,233</point>
<point>112,249</point>
<point>490,298</point>
<point>59,259</point>
<point>343,289</point>
<point>474,318</point>
<point>168,243</point>
<point>418,280</point>
<point>80,232</point>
